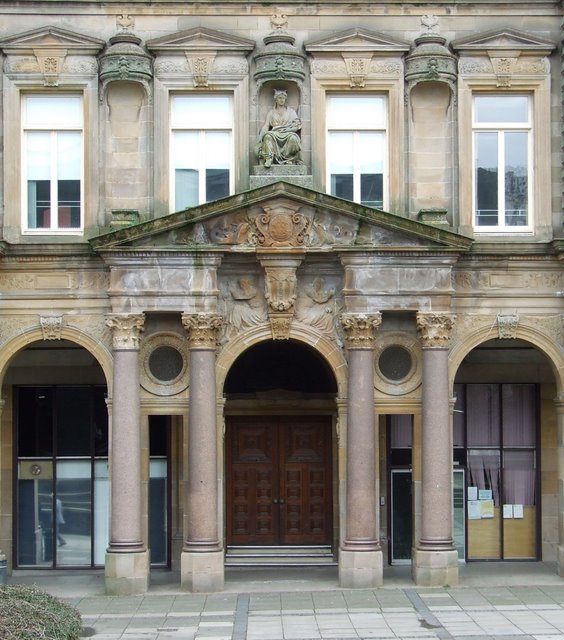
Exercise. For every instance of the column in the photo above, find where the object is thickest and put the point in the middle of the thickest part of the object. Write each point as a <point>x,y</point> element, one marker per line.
<point>127,557</point>
<point>435,560</point>
<point>202,563</point>
<point>360,557</point>
<point>559,407</point>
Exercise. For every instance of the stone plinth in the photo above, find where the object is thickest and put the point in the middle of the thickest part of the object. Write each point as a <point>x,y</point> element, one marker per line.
<point>360,569</point>
<point>127,574</point>
<point>202,572</point>
<point>435,568</point>
<point>294,173</point>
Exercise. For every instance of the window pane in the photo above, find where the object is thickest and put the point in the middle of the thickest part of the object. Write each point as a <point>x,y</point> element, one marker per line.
<point>482,415</point>
<point>356,112</point>
<point>185,188</point>
<point>35,421</point>
<point>342,185</point>
<point>69,204</point>
<point>340,153</point>
<point>101,510</point>
<point>73,508</point>
<point>69,155</point>
<point>217,184</point>
<point>39,204</point>
<point>201,112</point>
<point>73,421</point>
<point>35,528</point>
<point>519,415</point>
<point>38,155</point>
<point>53,112</point>
<point>218,150</point>
<point>500,109</point>
<point>516,178</point>
<point>185,149</point>
<point>519,477</point>
<point>484,471</point>
<point>486,168</point>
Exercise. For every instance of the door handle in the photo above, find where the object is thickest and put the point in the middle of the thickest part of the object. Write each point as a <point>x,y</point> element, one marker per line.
<point>281,501</point>
<point>275,501</point>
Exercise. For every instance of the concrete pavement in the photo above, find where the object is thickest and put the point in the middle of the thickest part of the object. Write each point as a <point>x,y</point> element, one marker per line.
<point>510,600</point>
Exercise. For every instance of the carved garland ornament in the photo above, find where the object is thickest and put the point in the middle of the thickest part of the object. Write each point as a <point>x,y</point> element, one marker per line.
<point>435,329</point>
<point>203,329</point>
<point>126,329</point>
<point>360,329</point>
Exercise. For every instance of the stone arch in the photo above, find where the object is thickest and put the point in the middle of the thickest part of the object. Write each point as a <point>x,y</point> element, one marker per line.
<point>327,349</point>
<point>35,334</point>
<point>530,334</point>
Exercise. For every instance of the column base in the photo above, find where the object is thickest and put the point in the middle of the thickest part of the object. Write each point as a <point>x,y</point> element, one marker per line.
<point>202,572</point>
<point>560,560</point>
<point>435,568</point>
<point>360,569</point>
<point>127,574</point>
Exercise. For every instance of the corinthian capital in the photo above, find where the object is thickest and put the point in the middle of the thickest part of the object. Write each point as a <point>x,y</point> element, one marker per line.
<point>203,329</point>
<point>435,329</point>
<point>360,329</point>
<point>126,329</point>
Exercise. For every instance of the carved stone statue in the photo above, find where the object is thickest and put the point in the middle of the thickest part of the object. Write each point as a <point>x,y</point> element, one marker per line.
<point>279,140</point>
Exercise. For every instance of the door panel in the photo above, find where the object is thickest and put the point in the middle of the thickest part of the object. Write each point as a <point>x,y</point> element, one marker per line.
<point>279,480</point>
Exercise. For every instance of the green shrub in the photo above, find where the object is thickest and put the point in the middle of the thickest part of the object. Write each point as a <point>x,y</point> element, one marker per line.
<point>27,613</point>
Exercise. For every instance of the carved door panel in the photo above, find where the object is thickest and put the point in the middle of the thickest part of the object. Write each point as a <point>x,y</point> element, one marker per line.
<point>278,480</point>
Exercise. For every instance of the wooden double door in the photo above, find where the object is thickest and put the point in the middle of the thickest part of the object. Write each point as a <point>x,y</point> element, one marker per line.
<point>278,480</point>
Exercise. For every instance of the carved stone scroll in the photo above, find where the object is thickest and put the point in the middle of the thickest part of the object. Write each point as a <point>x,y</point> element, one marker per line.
<point>435,329</point>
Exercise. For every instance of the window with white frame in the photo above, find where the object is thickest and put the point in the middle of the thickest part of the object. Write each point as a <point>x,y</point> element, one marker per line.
<point>502,162</point>
<point>201,149</point>
<point>53,161</point>
<point>357,148</point>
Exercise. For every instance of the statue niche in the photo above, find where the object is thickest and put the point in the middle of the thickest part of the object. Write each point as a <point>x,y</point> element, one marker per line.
<point>279,141</point>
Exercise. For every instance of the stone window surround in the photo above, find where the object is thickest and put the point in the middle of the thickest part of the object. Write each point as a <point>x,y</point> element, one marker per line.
<point>392,89</point>
<point>164,90</point>
<point>540,207</point>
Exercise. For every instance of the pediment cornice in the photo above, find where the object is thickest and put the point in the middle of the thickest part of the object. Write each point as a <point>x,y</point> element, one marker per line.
<point>53,38</point>
<point>503,40</point>
<point>200,39</point>
<point>357,41</point>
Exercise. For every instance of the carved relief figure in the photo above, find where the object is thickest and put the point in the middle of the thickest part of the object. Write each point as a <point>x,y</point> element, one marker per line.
<point>279,140</point>
<point>318,307</point>
<point>245,306</point>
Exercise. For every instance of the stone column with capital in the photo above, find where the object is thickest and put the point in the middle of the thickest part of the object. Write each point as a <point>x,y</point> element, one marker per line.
<point>202,564</point>
<point>559,406</point>
<point>360,556</point>
<point>435,560</point>
<point>127,557</point>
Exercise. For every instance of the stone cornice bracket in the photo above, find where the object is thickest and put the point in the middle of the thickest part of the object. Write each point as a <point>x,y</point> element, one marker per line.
<point>126,330</point>
<point>50,63</point>
<point>203,329</point>
<point>435,329</point>
<point>51,327</point>
<point>507,325</point>
<point>281,290</point>
<point>360,329</point>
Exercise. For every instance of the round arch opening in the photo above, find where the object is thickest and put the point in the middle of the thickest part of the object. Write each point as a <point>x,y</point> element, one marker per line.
<point>285,366</point>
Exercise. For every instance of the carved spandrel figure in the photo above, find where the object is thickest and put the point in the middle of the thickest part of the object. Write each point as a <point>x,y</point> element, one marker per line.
<point>245,307</point>
<point>279,140</point>
<point>318,307</point>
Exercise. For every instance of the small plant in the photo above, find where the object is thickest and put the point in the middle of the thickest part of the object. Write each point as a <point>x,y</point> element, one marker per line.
<point>27,613</point>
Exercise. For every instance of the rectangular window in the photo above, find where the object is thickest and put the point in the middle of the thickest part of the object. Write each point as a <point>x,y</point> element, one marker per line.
<point>502,165</point>
<point>357,148</point>
<point>52,162</point>
<point>201,149</point>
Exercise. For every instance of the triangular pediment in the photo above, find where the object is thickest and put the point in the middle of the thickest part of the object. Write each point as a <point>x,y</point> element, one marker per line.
<point>503,40</point>
<point>51,38</point>
<point>281,217</point>
<point>356,41</point>
<point>200,39</point>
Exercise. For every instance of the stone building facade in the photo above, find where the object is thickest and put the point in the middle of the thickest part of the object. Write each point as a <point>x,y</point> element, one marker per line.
<point>346,348</point>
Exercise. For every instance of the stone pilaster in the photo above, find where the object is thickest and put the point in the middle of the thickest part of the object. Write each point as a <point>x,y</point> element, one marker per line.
<point>127,557</point>
<point>435,560</point>
<point>360,557</point>
<point>559,406</point>
<point>202,567</point>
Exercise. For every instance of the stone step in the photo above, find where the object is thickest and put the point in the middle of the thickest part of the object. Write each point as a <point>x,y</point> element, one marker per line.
<point>279,555</point>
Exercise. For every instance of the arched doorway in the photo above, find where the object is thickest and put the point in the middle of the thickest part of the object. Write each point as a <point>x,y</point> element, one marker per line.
<point>60,436</point>
<point>504,437</point>
<point>280,411</point>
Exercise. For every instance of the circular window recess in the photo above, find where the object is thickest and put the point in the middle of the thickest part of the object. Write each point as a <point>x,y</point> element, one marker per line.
<point>397,363</point>
<point>164,364</point>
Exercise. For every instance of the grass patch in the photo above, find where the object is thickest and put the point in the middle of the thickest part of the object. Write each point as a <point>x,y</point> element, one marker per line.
<point>27,613</point>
